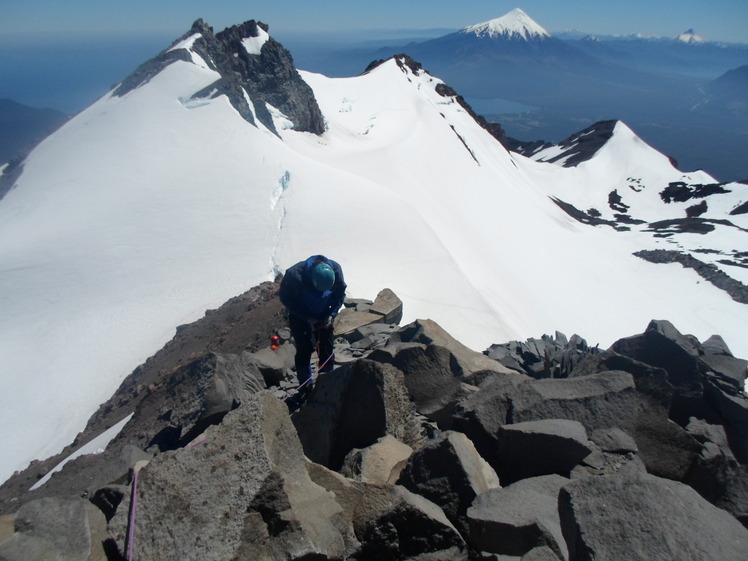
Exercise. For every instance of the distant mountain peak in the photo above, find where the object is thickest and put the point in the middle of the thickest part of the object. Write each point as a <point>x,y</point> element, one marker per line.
<point>690,36</point>
<point>514,25</point>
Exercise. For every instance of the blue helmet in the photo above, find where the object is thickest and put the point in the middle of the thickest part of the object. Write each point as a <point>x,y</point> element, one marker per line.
<point>323,277</point>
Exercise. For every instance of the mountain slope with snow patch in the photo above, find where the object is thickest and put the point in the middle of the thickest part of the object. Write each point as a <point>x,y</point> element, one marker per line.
<point>148,208</point>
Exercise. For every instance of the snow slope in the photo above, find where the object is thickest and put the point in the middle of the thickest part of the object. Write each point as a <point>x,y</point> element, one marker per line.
<point>638,174</point>
<point>144,211</point>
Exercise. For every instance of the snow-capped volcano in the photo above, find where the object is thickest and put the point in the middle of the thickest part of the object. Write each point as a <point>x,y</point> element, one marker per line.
<point>514,25</point>
<point>690,36</point>
<point>195,180</point>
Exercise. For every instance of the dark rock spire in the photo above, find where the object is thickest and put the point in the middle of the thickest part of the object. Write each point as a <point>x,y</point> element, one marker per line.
<point>267,78</point>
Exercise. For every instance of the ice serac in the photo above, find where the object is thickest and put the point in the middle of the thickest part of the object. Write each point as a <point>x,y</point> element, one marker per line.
<point>255,71</point>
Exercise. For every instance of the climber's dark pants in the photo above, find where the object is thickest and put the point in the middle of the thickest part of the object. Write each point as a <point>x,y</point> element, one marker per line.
<point>306,338</point>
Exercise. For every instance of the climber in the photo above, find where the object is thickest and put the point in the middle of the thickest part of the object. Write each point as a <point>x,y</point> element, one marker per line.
<point>312,292</point>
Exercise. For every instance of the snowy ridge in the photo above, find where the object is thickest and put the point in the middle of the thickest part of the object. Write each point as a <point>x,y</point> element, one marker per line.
<point>173,208</point>
<point>634,180</point>
<point>514,25</point>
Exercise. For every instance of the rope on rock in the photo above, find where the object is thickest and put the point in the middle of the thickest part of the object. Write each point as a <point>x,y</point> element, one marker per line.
<point>311,378</point>
<point>133,511</point>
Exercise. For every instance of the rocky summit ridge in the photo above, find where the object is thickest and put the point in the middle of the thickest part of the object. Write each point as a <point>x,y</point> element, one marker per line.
<point>260,76</point>
<point>413,447</point>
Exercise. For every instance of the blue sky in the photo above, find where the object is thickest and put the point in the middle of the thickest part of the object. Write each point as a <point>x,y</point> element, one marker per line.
<point>717,20</point>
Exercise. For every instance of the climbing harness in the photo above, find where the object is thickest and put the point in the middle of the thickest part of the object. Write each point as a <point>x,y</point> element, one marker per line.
<point>309,380</point>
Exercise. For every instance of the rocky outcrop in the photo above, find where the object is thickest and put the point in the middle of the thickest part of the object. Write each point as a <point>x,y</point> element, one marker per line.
<point>267,77</point>
<point>548,357</point>
<point>577,148</point>
<point>449,471</point>
<point>353,407</point>
<point>244,480</point>
<point>709,272</point>
<point>413,447</point>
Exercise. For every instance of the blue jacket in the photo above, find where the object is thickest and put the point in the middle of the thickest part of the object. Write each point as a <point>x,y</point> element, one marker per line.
<point>301,299</point>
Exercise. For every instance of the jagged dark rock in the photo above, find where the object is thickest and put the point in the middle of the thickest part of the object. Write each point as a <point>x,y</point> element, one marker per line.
<point>736,289</point>
<point>680,192</point>
<point>433,380</point>
<point>597,401</point>
<point>449,472</point>
<point>706,379</point>
<point>661,345</point>
<point>717,475</point>
<point>548,357</point>
<point>581,146</point>
<point>404,525</point>
<point>353,407</point>
<point>268,77</point>
<point>655,421</point>
<point>591,217</point>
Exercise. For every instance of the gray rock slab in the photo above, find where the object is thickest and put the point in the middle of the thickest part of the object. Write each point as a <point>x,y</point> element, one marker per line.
<point>240,490</point>
<point>349,321</point>
<point>380,463</point>
<point>607,399</point>
<point>646,517</point>
<point>540,447</point>
<point>516,519</point>
<point>274,363</point>
<point>613,439</point>
<point>730,370</point>
<point>716,345</point>
<point>388,305</point>
<point>49,529</point>
<point>196,395</point>
<point>666,448</point>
